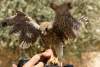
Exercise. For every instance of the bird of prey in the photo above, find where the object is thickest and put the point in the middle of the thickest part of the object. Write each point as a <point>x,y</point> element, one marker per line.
<point>64,27</point>
<point>52,34</point>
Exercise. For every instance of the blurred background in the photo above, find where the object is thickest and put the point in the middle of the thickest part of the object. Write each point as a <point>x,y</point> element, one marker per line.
<point>86,11</point>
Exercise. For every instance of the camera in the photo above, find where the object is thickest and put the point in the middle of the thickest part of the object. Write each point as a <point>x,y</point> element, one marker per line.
<point>23,61</point>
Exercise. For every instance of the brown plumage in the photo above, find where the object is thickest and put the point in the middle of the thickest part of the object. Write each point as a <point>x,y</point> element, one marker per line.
<point>49,37</point>
<point>64,26</point>
<point>52,33</point>
<point>25,26</point>
<point>64,23</point>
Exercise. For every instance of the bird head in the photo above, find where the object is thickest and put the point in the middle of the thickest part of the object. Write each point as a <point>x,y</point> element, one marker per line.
<point>45,27</point>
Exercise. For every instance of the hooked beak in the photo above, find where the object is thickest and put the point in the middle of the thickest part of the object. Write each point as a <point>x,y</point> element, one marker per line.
<point>44,33</point>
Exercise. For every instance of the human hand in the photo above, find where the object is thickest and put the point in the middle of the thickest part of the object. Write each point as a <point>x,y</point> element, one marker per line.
<point>35,60</point>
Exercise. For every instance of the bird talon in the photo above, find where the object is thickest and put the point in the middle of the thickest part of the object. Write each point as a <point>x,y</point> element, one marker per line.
<point>53,61</point>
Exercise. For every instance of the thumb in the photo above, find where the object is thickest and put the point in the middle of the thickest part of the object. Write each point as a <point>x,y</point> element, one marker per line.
<point>40,64</point>
<point>14,65</point>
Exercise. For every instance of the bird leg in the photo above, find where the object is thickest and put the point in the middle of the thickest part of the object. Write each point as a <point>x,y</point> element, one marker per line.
<point>59,56</point>
<point>60,53</point>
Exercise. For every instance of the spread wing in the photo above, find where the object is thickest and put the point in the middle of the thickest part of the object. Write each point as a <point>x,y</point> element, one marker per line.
<point>65,24</point>
<point>25,26</point>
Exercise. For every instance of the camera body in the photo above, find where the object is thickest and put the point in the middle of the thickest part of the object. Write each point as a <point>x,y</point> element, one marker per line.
<point>23,61</point>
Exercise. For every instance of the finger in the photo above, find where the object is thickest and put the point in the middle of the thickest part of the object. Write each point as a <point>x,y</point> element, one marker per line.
<point>14,65</point>
<point>32,61</point>
<point>40,64</point>
<point>48,53</point>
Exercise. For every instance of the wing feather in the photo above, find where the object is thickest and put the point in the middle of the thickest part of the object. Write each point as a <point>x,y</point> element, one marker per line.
<point>25,26</point>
